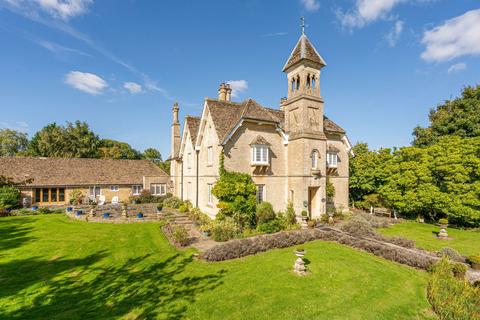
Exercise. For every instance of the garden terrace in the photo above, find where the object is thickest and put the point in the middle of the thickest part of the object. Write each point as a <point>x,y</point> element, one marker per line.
<point>52,266</point>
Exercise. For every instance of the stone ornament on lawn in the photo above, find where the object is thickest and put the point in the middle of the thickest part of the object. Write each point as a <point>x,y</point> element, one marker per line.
<point>443,224</point>
<point>299,266</point>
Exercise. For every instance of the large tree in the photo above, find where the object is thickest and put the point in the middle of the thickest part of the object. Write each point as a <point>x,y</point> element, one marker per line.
<point>75,140</point>
<point>111,149</point>
<point>457,117</point>
<point>12,142</point>
<point>367,171</point>
<point>153,155</point>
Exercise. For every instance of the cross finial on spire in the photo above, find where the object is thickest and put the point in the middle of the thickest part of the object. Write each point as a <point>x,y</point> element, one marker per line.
<point>303,24</point>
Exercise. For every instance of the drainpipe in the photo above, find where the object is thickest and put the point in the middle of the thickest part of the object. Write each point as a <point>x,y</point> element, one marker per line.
<point>196,193</point>
<point>181,182</point>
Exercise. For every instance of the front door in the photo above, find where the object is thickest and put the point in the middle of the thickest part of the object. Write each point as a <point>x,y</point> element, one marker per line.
<point>314,202</point>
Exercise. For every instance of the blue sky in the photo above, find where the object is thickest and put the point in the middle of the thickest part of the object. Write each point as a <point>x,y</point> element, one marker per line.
<point>120,65</point>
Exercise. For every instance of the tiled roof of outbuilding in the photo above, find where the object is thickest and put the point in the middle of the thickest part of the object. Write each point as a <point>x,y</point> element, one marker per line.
<point>78,172</point>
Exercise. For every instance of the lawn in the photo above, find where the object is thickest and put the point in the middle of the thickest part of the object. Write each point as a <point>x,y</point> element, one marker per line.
<point>55,268</point>
<point>467,242</point>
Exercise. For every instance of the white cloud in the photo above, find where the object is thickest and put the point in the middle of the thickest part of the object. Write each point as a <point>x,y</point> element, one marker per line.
<point>238,87</point>
<point>456,37</point>
<point>59,49</point>
<point>64,9</point>
<point>457,67</point>
<point>310,5</point>
<point>86,82</point>
<point>132,87</point>
<point>367,11</point>
<point>394,34</point>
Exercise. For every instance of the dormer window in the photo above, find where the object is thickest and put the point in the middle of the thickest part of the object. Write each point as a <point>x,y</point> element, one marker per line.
<point>314,159</point>
<point>332,159</point>
<point>260,154</point>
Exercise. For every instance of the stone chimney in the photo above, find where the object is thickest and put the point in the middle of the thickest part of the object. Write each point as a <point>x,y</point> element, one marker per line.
<point>229,92</point>
<point>282,103</point>
<point>222,92</point>
<point>175,142</point>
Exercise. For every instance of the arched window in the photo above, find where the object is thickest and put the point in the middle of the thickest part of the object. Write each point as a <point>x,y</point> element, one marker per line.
<point>314,159</point>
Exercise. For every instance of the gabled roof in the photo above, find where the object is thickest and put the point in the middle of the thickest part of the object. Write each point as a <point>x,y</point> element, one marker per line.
<point>77,171</point>
<point>193,124</point>
<point>304,50</point>
<point>226,115</point>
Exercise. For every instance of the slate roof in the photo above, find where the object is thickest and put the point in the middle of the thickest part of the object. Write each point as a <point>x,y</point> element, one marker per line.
<point>77,171</point>
<point>193,124</point>
<point>304,50</point>
<point>226,115</point>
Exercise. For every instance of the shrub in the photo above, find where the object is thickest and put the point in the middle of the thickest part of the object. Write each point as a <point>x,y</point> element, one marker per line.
<point>304,213</point>
<point>451,298</point>
<point>443,221</point>
<point>290,216</point>
<point>265,212</point>
<point>76,197</point>
<point>474,259</point>
<point>9,198</point>
<point>236,194</point>
<point>400,241</point>
<point>172,203</point>
<point>459,268</point>
<point>312,223</point>
<point>450,253</point>
<point>160,207</point>
<point>330,191</point>
<point>271,226</point>
<point>224,230</point>
<point>176,233</point>
<point>180,235</point>
<point>374,221</point>
<point>358,227</point>
<point>183,208</point>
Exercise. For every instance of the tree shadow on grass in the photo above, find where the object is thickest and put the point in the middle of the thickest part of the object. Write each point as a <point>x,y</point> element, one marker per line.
<point>136,289</point>
<point>14,233</point>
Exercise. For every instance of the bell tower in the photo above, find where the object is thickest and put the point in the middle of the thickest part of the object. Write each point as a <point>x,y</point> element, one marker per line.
<point>304,113</point>
<point>304,105</point>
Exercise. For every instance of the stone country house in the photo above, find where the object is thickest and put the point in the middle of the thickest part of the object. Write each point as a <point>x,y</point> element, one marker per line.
<point>55,178</point>
<point>291,152</point>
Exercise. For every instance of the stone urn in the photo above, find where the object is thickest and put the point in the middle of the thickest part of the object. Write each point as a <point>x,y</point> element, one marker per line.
<point>443,224</point>
<point>124,211</point>
<point>299,266</point>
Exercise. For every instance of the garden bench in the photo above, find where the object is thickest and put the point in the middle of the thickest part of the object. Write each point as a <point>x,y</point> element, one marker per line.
<point>382,212</point>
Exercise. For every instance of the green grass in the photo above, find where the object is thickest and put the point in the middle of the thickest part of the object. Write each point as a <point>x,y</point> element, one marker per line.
<point>55,268</point>
<point>467,242</point>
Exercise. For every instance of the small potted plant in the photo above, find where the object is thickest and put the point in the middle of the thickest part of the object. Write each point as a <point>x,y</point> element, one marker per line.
<point>474,262</point>
<point>300,252</point>
<point>34,208</point>
<point>206,229</point>
<point>312,223</point>
<point>159,207</point>
<point>139,215</point>
<point>69,209</point>
<point>443,223</point>
<point>459,270</point>
<point>106,215</point>
<point>79,212</point>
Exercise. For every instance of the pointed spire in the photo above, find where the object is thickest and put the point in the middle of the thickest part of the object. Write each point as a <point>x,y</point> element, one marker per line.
<point>304,50</point>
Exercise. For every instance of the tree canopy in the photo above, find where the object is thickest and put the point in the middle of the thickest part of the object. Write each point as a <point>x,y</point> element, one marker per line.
<point>457,117</point>
<point>12,142</point>
<point>112,149</point>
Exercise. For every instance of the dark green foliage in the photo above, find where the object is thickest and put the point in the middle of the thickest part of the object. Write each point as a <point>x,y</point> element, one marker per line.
<point>458,117</point>
<point>236,194</point>
<point>290,215</point>
<point>152,154</point>
<point>147,197</point>
<point>450,297</point>
<point>270,226</point>
<point>265,212</point>
<point>9,197</point>
<point>441,180</point>
<point>367,173</point>
<point>112,149</point>
<point>12,142</point>
<point>330,191</point>
<point>75,140</point>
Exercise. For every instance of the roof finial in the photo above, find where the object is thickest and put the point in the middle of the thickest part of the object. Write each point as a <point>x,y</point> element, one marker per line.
<point>303,25</point>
